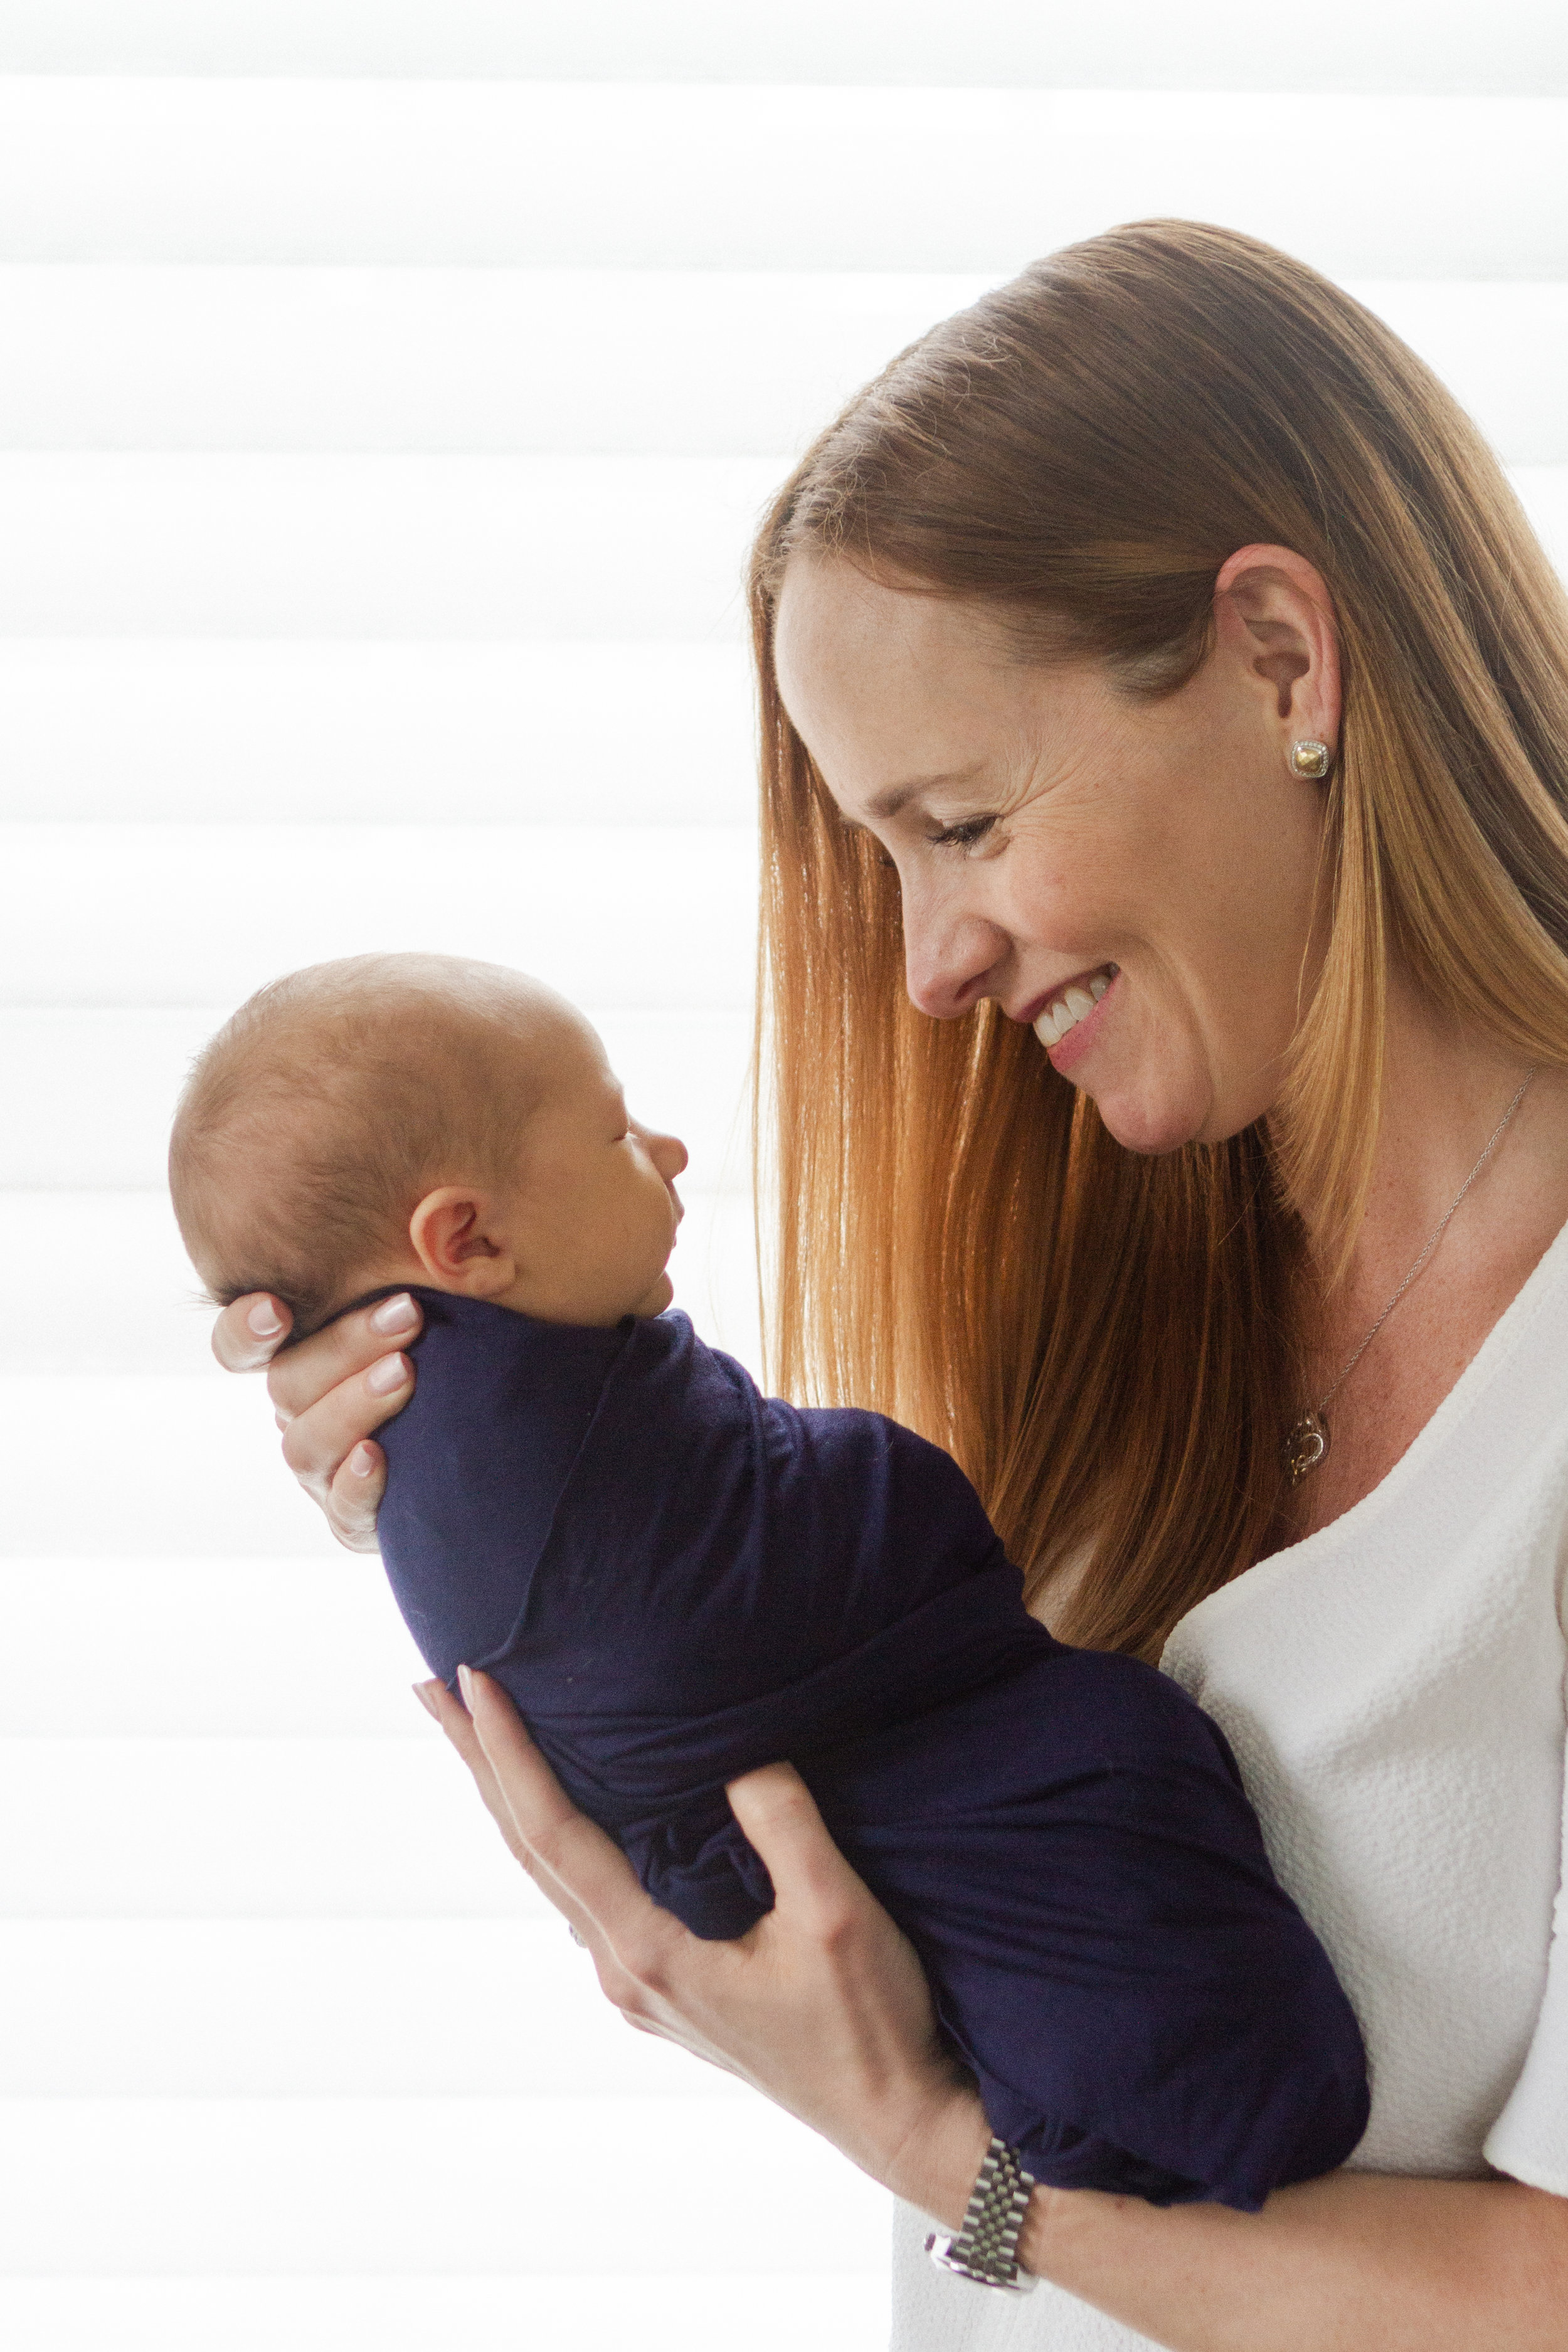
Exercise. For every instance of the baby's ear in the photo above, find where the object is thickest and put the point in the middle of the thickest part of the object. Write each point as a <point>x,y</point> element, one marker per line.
<point>452,1234</point>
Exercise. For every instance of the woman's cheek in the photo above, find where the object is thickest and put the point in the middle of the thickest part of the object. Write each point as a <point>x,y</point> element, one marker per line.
<point>1149,1075</point>
<point>1058,903</point>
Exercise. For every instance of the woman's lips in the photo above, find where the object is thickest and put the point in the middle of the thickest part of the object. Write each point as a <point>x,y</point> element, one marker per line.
<point>1069,1021</point>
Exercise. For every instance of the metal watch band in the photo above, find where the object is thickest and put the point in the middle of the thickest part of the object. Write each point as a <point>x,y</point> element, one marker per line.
<point>986,2248</point>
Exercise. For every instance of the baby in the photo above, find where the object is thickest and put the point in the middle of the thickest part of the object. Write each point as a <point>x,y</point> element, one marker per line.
<point>678,1579</point>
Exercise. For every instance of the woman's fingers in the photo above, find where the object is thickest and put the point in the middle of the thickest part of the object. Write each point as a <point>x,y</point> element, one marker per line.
<point>249,1332</point>
<point>822,2004</point>
<point>317,1440</point>
<point>538,1803</point>
<point>354,1498</point>
<point>586,1874</point>
<point>328,1393</point>
<point>328,1449</point>
<point>582,1871</point>
<point>637,1948</point>
<point>332,1392</point>
<point>574,1865</point>
<point>568,1856</point>
<point>456,1722</point>
<point>811,1877</point>
<point>356,1346</point>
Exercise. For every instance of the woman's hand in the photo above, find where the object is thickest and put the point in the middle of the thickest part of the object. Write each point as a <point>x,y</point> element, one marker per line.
<point>823,2005</point>
<point>330,1394</point>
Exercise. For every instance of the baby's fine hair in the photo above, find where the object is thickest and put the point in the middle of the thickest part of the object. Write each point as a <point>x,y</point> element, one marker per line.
<point>315,1121</point>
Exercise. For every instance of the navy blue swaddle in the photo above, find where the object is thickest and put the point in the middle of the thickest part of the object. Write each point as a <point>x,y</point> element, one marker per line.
<point>678,1579</point>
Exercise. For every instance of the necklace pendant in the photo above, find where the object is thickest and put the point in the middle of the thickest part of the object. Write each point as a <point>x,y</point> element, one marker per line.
<point>1305,1446</point>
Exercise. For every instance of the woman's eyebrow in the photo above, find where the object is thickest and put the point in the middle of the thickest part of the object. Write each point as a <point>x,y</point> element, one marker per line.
<point>889,802</point>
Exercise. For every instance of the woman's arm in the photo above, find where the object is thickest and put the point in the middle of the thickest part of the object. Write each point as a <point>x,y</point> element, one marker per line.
<point>823,2006</point>
<point>1354,2262</point>
<point>330,1394</point>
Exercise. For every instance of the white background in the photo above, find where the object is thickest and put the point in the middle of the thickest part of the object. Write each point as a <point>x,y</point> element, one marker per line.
<point>387,395</point>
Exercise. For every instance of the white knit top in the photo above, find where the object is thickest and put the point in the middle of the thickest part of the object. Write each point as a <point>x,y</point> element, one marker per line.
<point>1393,1688</point>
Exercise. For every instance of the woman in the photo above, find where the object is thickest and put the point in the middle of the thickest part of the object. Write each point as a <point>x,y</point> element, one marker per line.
<point>1159,679</point>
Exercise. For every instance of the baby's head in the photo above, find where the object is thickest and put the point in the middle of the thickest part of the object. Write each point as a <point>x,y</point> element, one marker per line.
<point>397,1119</point>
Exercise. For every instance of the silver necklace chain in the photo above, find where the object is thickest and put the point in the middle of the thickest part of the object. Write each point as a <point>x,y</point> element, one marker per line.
<point>1307,1442</point>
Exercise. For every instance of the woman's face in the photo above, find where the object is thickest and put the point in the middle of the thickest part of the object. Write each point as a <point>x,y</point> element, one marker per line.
<point>1148,867</point>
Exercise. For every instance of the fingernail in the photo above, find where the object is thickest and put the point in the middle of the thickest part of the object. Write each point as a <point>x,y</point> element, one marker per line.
<point>394,1315</point>
<point>424,1700</point>
<point>466,1685</point>
<point>389,1374</point>
<point>362,1461</point>
<point>264,1320</point>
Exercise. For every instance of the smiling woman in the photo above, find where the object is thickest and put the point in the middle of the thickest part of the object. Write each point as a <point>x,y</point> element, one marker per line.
<point>1043,615</point>
<point>1094,819</point>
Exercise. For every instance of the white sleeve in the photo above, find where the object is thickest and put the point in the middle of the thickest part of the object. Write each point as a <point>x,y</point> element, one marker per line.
<point>1530,2138</point>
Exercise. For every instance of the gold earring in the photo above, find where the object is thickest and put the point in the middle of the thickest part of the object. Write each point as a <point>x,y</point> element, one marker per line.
<point>1311,758</point>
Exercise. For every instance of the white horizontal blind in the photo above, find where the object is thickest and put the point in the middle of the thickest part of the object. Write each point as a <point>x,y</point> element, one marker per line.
<point>389,390</point>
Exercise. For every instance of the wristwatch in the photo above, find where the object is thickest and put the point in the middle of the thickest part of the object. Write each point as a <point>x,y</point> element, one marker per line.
<point>986,2248</point>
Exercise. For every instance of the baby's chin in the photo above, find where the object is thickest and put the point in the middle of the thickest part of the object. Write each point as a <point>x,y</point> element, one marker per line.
<point>657,1299</point>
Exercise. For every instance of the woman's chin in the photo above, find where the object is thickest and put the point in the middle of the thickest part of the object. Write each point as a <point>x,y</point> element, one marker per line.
<point>661,1295</point>
<point>1152,1125</point>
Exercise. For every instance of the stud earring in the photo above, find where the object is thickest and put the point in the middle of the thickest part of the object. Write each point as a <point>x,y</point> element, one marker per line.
<point>1311,758</point>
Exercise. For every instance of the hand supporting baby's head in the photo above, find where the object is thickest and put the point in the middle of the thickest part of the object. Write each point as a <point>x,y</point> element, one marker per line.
<point>420,1119</point>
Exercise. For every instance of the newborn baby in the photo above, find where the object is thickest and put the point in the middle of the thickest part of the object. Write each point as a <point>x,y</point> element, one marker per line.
<point>678,1579</point>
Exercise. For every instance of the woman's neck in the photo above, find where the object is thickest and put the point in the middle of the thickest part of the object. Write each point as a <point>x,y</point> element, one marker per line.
<point>1446,1089</point>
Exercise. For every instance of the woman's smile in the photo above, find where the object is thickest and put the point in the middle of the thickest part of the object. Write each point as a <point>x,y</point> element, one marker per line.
<point>1069,1021</point>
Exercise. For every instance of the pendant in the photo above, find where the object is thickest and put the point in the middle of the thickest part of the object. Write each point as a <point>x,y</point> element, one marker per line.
<point>1305,1446</point>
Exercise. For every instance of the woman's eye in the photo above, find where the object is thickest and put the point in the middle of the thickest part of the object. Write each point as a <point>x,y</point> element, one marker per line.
<point>973,829</point>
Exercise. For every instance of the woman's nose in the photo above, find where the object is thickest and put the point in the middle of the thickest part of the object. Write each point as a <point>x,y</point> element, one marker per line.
<point>949,965</point>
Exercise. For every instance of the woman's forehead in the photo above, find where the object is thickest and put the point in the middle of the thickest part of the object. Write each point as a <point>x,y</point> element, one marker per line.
<point>832,616</point>
<point>894,693</point>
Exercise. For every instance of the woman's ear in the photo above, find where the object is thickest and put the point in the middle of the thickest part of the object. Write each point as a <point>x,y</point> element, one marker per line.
<point>1275,616</point>
<point>454,1233</point>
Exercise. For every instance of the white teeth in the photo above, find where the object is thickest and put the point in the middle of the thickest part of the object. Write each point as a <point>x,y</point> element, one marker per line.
<point>1065,1011</point>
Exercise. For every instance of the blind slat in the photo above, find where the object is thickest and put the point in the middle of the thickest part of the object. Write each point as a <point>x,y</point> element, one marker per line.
<point>513,2186</point>
<point>653,363</point>
<point>688,176</point>
<point>670,2311</point>
<point>1398,44</point>
<point>635,917</point>
<point>485,733</point>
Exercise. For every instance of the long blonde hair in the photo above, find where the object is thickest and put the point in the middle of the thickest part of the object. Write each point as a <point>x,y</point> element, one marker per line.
<point>1108,1343</point>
